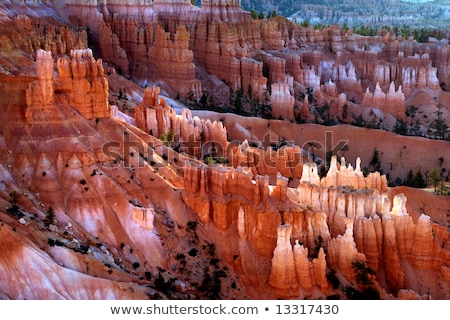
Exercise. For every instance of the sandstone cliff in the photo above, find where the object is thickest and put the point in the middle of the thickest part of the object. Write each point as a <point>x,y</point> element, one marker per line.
<point>139,209</point>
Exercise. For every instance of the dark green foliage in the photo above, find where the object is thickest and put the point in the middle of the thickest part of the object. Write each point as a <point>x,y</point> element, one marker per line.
<point>204,100</point>
<point>363,275</point>
<point>314,253</point>
<point>419,181</point>
<point>161,284</point>
<point>14,208</point>
<point>193,252</point>
<point>180,256</point>
<point>211,284</point>
<point>362,272</point>
<point>49,216</point>
<point>191,226</point>
<point>415,181</point>
<point>367,294</point>
<point>272,14</point>
<point>305,23</point>
<point>366,31</point>
<point>238,100</point>
<point>375,162</point>
<point>333,279</point>
<point>54,242</point>
<point>359,122</point>
<point>400,127</point>
<point>82,248</point>
<point>13,197</point>
<point>168,138</point>
<point>434,178</point>
<point>211,249</point>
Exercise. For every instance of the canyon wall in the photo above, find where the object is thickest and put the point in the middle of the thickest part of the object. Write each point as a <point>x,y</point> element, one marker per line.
<point>324,224</point>
<point>81,84</point>
<point>283,241</point>
<point>178,47</point>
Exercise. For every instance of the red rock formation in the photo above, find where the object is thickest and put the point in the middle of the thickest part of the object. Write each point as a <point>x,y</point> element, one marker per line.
<point>253,82</point>
<point>198,137</point>
<point>276,68</point>
<point>224,10</point>
<point>304,111</point>
<point>336,39</point>
<point>330,88</point>
<point>395,276</point>
<point>342,252</point>
<point>293,65</point>
<point>303,268</point>
<point>111,49</point>
<point>346,79</point>
<point>247,210</point>
<point>154,115</point>
<point>82,80</point>
<point>320,271</point>
<point>223,53</point>
<point>392,102</point>
<point>41,93</point>
<point>282,274</point>
<point>282,102</point>
<point>173,60</point>
<point>443,65</point>
<point>425,251</point>
<point>280,188</point>
<point>272,37</point>
<point>286,160</point>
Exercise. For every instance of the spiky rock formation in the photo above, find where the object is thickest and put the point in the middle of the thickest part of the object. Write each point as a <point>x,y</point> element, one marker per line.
<point>82,80</point>
<point>154,115</point>
<point>282,274</point>
<point>351,221</point>
<point>81,83</point>
<point>282,102</point>
<point>141,209</point>
<point>174,61</point>
<point>41,93</point>
<point>192,135</point>
<point>392,102</point>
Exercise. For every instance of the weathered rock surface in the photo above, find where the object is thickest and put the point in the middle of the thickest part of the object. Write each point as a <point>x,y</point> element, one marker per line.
<point>129,197</point>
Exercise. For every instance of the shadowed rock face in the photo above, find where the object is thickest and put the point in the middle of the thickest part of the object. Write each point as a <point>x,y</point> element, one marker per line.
<point>99,204</point>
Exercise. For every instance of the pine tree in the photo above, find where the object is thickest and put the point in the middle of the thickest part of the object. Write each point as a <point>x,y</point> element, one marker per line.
<point>410,179</point>
<point>50,216</point>
<point>434,178</point>
<point>419,181</point>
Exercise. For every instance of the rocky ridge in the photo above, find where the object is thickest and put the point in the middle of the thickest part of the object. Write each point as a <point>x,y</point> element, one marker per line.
<point>132,202</point>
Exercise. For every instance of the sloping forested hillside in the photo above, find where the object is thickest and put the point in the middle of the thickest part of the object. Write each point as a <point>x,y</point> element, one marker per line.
<point>417,13</point>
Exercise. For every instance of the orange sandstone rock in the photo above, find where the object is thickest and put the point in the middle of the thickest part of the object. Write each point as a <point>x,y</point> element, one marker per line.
<point>282,274</point>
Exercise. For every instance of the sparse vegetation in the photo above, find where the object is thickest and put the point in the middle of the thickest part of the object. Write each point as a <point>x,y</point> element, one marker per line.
<point>49,217</point>
<point>13,198</point>
<point>363,275</point>
<point>434,178</point>
<point>415,181</point>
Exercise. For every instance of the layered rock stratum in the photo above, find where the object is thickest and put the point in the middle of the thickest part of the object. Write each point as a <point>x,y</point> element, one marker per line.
<point>112,188</point>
